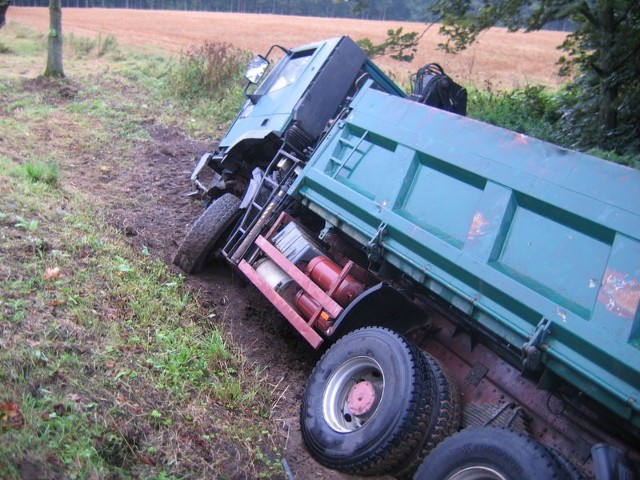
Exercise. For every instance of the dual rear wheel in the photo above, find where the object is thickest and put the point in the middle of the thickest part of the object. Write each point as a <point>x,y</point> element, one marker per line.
<point>376,404</point>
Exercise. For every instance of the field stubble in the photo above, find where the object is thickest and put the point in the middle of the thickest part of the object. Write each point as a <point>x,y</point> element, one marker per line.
<point>500,58</point>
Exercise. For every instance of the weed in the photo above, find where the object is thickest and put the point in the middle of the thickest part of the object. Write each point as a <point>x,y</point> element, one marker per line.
<point>206,71</point>
<point>530,110</point>
<point>26,225</point>
<point>108,45</point>
<point>47,173</point>
<point>81,46</point>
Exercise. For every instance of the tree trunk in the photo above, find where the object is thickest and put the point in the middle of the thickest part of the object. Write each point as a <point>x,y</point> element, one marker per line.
<point>54,54</point>
<point>4,5</point>
<point>608,113</point>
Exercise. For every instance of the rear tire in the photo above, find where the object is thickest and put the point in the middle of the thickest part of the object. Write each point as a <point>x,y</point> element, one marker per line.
<point>371,436</point>
<point>208,232</point>
<point>490,453</point>
<point>444,419</point>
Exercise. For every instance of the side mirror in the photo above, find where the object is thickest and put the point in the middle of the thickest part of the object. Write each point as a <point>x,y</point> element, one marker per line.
<point>256,69</point>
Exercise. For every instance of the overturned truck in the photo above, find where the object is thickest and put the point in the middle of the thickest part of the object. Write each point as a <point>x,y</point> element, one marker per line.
<point>478,288</point>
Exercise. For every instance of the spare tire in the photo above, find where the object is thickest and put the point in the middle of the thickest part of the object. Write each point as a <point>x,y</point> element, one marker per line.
<point>490,453</point>
<point>208,232</point>
<point>366,404</point>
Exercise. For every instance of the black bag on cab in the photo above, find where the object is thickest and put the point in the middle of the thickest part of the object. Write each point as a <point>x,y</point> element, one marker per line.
<point>431,86</point>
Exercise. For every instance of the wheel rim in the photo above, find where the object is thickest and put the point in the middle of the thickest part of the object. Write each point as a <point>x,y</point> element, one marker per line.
<point>352,394</point>
<point>477,473</point>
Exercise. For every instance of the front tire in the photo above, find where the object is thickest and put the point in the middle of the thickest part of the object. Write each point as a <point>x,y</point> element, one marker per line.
<point>366,403</point>
<point>207,233</point>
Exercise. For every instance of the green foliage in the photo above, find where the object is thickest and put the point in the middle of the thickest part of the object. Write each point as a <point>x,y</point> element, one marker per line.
<point>108,45</point>
<point>602,104</point>
<point>398,45</point>
<point>83,47</point>
<point>207,71</point>
<point>47,173</point>
<point>26,225</point>
<point>585,105</point>
<point>540,113</point>
<point>531,110</point>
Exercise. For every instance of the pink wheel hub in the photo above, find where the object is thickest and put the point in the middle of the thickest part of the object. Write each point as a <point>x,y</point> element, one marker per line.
<point>361,398</point>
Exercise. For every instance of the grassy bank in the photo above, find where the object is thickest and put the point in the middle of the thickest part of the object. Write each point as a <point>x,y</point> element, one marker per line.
<point>110,368</point>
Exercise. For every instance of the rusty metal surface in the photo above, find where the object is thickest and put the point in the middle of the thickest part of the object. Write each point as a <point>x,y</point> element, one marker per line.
<point>486,380</point>
<point>314,339</point>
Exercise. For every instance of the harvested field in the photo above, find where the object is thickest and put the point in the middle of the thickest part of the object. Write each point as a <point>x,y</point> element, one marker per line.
<point>500,58</point>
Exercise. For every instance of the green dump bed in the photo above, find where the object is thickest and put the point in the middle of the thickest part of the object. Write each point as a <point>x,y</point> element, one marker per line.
<point>538,244</point>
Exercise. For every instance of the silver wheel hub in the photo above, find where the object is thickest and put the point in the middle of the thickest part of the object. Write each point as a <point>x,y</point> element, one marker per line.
<point>478,472</point>
<point>352,394</point>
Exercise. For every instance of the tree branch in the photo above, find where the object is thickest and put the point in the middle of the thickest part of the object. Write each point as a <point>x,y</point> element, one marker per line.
<point>624,16</point>
<point>588,14</point>
<point>627,57</point>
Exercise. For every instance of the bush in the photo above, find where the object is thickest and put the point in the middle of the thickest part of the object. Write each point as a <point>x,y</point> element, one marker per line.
<point>557,117</point>
<point>207,71</point>
<point>83,46</point>
<point>581,128</point>
<point>530,110</point>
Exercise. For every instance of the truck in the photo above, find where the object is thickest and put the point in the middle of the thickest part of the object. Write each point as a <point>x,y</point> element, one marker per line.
<point>475,291</point>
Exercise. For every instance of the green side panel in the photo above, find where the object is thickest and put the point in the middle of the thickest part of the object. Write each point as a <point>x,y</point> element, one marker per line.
<point>507,228</point>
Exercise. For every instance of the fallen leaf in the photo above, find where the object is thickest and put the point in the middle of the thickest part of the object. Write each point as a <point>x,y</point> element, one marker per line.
<point>10,416</point>
<point>53,273</point>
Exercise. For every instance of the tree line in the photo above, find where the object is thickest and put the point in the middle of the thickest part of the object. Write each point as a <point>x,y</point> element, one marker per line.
<point>404,10</point>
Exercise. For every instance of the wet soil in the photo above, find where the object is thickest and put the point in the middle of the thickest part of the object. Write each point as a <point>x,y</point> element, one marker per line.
<point>149,204</point>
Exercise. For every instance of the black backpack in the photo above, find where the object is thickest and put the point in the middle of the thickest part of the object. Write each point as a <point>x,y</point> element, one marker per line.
<point>431,86</point>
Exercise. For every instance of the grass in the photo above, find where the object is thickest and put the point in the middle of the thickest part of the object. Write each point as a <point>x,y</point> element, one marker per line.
<point>83,47</point>
<point>108,369</point>
<point>47,173</point>
<point>87,323</point>
<point>531,110</point>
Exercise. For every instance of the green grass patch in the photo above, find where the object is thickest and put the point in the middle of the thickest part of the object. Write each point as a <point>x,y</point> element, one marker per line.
<point>5,50</point>
<point>44,172</point>
<point>110,367</point>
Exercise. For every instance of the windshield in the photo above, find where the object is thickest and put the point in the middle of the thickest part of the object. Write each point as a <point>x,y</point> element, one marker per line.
<point>287,74</point>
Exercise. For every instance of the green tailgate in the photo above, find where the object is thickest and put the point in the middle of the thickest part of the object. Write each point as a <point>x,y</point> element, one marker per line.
<point>523,236</point>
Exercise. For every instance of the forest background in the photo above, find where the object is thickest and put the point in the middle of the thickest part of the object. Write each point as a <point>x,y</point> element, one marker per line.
<point>402,10</point>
